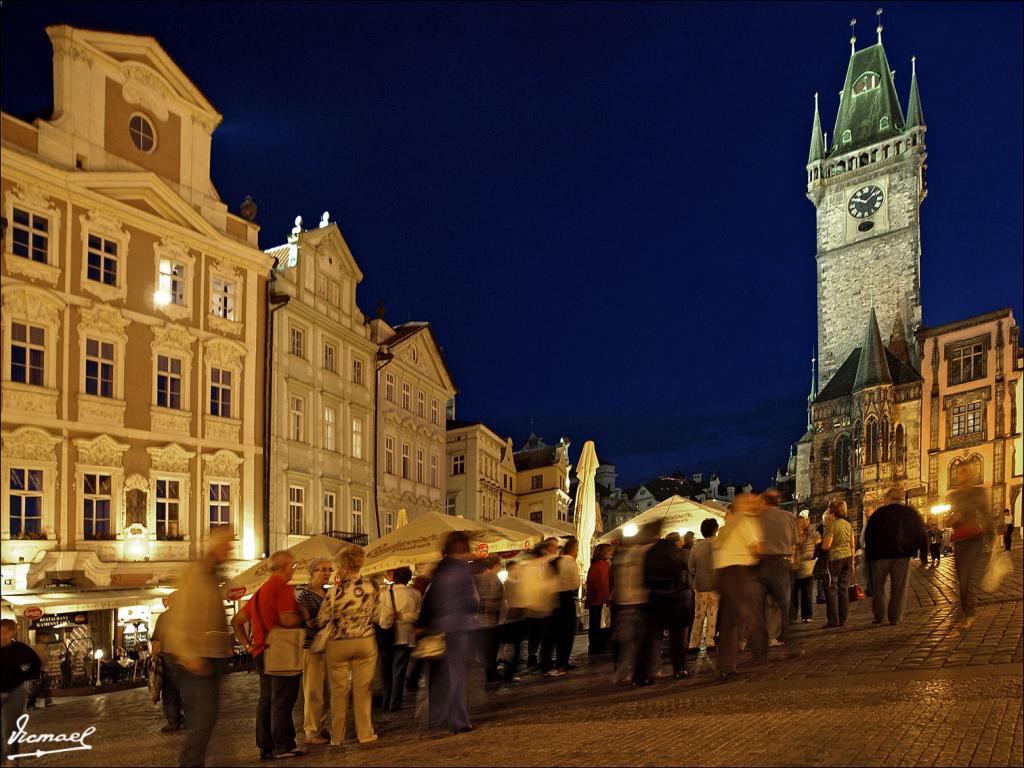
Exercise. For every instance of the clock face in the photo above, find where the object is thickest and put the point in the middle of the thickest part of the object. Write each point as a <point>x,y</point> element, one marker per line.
<point>865,202</point>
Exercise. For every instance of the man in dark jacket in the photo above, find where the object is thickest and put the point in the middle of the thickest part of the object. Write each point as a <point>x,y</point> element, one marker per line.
<point>893,535</point>
<point>450,607</point>
<point>18,665</point>
<point>667,580</point>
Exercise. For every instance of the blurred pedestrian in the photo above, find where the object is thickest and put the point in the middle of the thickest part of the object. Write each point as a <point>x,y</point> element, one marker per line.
<point>170,696</point>
<point>1007,530</point>
<point>629,597</point>
<point>702,570</point>
<point>737,550</point>
<point>197,643</point>
<point>41,689</point>
<point>536,594</point>
<point>19,667</point>
<point>973,526</point>
<point>820,572</point>
<point>67,667</point>
<point>892,536</point>
<point>512,623</point>
<point>774,569</point>
<point>598,598</point>
<point>838,542</point>
<point>273,605</point>
<point>562,628</point>
<point>666,578</point>
<point>351,612</point>
<point>400,609</point>
<point>314,666</point>
<point>934,543</point>
<point>420,582</point>
<point>491,590</point>
<point>450,608</point>
<point>801,598</point>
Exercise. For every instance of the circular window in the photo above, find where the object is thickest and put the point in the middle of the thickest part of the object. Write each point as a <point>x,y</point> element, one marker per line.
<point>142,133</point>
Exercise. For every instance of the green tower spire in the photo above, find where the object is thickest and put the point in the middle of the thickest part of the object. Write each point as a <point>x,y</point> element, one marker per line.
<point>817,151</point>
<point>869,110</point>
<point>915,117</point>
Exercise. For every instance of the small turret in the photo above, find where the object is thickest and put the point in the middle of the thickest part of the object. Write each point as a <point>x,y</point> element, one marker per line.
<point>817,151</point>
<point>915,118</point>
<point>873,367</point>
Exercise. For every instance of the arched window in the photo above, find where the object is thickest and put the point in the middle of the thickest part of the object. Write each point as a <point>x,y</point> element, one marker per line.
<point>883,439</point>
<point>885,152</point>
<point>826,465</point>
<point>976,465</point>
<point>843,460</point>
<point>866,82</point>
<point>900,447</point>
<point>847,136</point>
<point>864,159</point>
<point>883,122</point>
<point>871,441</point>
<point>841,166</point>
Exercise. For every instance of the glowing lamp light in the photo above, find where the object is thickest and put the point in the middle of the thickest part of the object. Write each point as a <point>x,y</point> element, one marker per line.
<point>136,549</point>
<point>502,575</point>
<point>249,545</point>
<point>97,654</point>
<point>162,297</point>
<point>939,509</point>
<point>629,530</point>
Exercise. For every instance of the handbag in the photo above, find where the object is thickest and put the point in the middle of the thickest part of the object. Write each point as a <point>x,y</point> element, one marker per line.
<point>855,592</point>
<point>319,644</point>
<point>606,616</point>
<point>282,654</point>
<point>430,647</point>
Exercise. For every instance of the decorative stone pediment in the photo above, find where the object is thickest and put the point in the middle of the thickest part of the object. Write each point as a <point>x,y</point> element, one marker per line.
<point>170,458</point>
<point>136,482</point>
<point>97,222</point>
<point>101,451</point>
<point>222,353</point>
<point>222,464</point>
<point>33,304</point>
<point>174,249</point>
<point>29,443</point>
<point>146,88</point>
<point>32,196</point>
<point>103,320</point>
<point>173,338</point>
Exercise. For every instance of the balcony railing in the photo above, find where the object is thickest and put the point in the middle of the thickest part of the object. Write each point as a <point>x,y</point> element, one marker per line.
<point>362,539</point>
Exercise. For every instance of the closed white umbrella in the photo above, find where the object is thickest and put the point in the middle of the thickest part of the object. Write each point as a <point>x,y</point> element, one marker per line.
<point>586,503</point>
<point>421,540</point>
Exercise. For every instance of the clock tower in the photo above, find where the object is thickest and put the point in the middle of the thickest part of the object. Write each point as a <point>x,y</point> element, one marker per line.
<point>867,187</point>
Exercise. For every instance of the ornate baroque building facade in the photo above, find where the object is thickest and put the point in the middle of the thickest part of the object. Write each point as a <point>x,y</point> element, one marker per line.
<point>132,327</point>
<point>322,399</point>
<point>481,472</point>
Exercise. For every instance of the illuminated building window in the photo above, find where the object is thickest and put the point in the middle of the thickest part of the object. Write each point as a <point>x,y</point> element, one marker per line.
<point>96,505</point>
<point>30,235</point>
<point>25,501</point>
<point>28,354</point>
<point>296,509</point>
<point>142,134</point>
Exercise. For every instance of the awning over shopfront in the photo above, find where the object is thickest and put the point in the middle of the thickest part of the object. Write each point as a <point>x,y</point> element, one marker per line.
<point>31,605</point>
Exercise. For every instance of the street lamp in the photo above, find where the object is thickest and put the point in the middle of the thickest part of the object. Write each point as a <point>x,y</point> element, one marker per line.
<point>98,655</point>
<point>629,530</point>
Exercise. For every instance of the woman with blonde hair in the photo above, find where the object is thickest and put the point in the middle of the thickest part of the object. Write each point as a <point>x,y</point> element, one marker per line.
<point>350,612</point>
<point>838,542</point>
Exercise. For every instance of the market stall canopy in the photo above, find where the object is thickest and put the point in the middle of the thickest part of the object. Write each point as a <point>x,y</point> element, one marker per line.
<point>39,603</point>
<point>675,514</point>
<point>306,552</point>
<point>421,540</point>
<point>529,527</point>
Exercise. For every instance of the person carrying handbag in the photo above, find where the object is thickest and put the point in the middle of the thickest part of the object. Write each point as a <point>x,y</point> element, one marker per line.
<point>314,668</point>
<point>348,617</point>
<point>838,542</point>
<point>272,608</point>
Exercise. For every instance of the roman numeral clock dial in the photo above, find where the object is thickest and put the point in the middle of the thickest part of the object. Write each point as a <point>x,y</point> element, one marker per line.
<point>864,203</point>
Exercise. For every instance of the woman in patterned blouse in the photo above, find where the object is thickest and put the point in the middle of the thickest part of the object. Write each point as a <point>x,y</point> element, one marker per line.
<point>350,612</point>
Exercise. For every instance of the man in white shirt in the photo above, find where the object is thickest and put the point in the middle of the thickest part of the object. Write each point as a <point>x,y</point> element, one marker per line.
<point>399,607</point>
<point>737,551</point>
<point>563,620</point>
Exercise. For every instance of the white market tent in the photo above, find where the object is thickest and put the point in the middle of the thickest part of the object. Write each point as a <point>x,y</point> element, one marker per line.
<point>675,514</point>
<point>527,527</point>
<point>421,540</point>
<point>305,553</point>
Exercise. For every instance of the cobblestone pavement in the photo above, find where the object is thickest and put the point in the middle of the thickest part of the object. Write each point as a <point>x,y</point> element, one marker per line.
<point>914,694</point>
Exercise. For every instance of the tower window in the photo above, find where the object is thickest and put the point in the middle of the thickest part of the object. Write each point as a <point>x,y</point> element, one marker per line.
<point>847,136</point>
<point>866,82</point>
<point>883,121</point>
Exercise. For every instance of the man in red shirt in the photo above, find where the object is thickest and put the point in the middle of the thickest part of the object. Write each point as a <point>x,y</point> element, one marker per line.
<point>273,605</point>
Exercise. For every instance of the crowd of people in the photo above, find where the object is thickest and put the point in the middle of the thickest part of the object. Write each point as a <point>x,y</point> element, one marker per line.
<point>365,642</point>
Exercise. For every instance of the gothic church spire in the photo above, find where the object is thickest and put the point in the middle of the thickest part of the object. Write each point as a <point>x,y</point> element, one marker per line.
<point>817,151</point>
<point>915,117</point>
<point>873,367</point>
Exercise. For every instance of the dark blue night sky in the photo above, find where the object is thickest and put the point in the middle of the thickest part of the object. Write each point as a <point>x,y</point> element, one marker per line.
<point>600,208</point>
